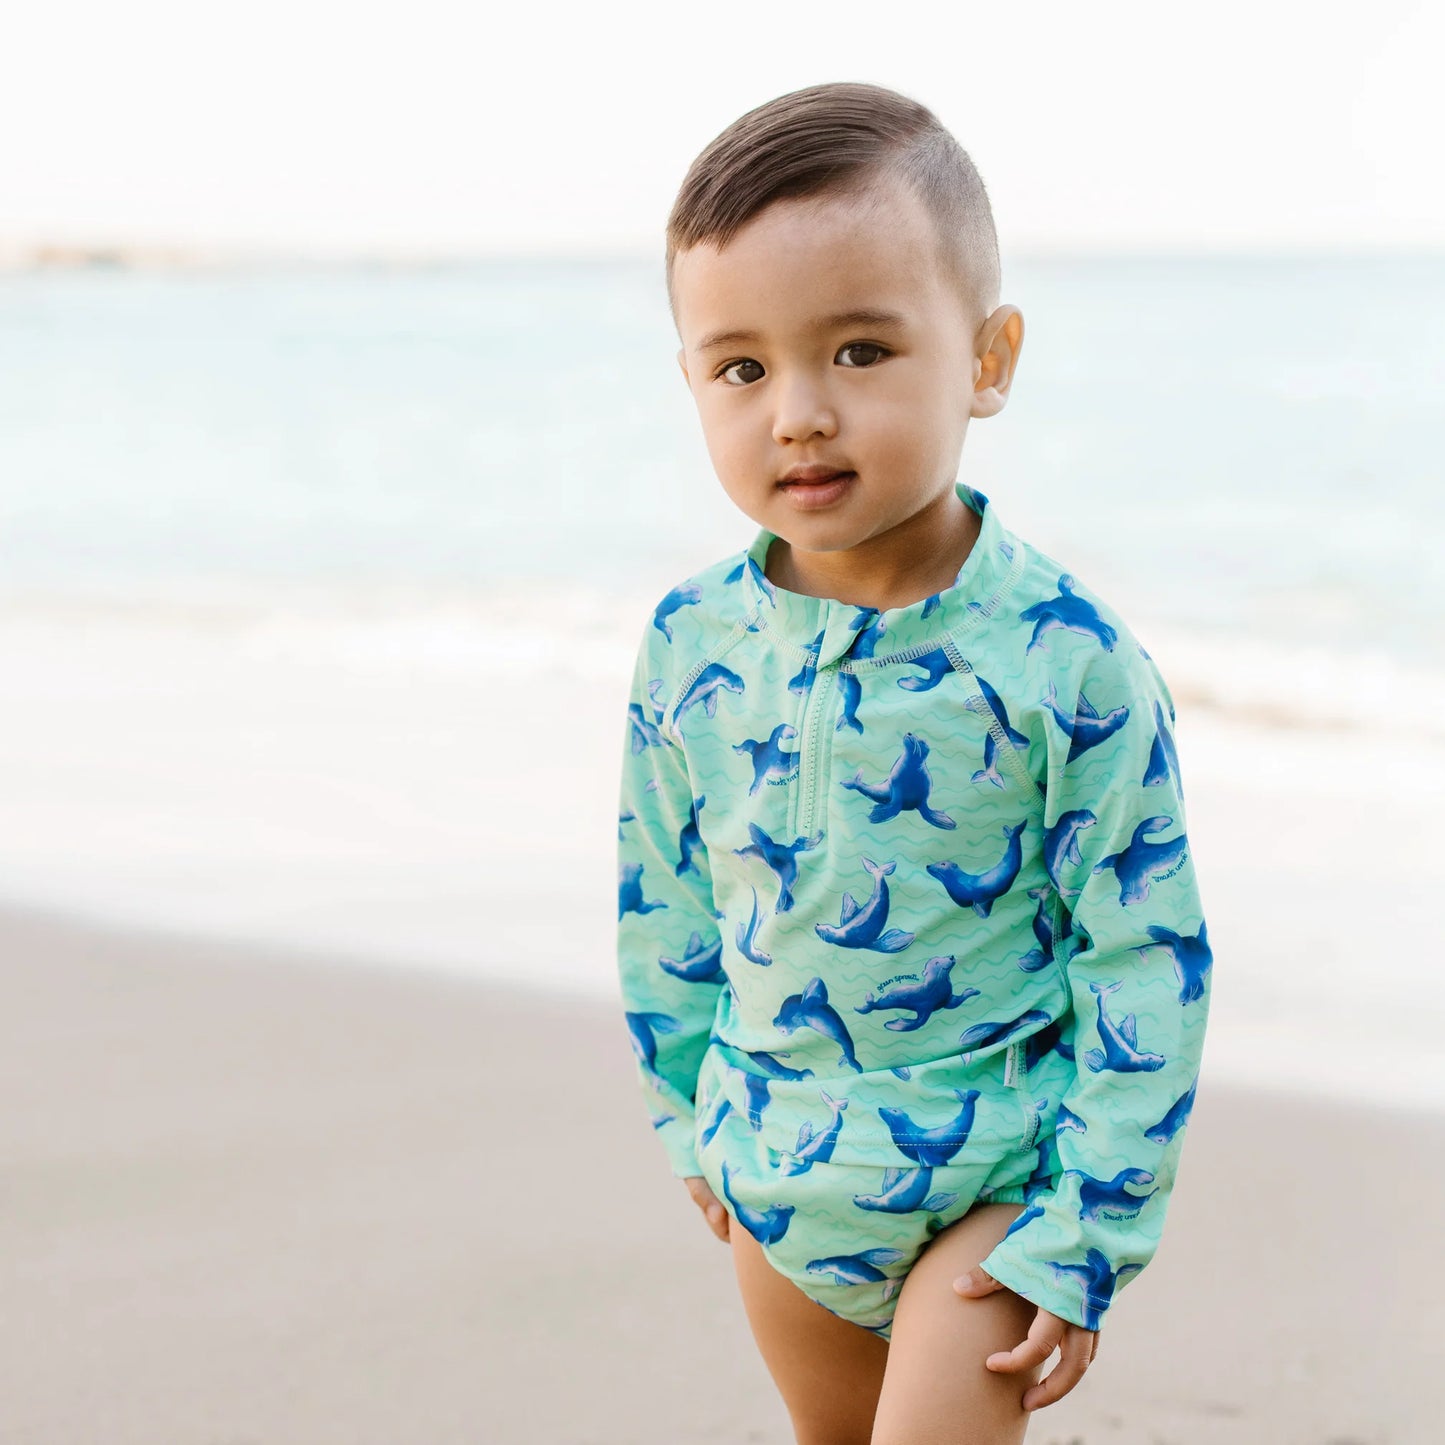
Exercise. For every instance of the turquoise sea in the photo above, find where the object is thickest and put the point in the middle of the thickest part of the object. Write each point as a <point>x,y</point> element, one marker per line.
<point>1230,445</point>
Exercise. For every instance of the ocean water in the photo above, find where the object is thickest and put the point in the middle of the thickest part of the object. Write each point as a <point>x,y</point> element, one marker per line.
<point>319,589</point>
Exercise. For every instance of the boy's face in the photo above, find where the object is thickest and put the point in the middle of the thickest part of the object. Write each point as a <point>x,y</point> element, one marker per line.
<point>828,335</point>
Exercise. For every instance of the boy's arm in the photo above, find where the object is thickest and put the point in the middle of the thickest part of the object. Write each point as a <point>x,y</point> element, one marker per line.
<point>669,947</point>
<point>1140,987</point>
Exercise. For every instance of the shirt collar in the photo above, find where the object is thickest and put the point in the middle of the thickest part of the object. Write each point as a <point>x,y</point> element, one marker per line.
<point>827,629</point>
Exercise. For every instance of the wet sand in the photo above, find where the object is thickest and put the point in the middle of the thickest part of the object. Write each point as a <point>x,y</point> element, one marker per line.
<point>253,1197</point>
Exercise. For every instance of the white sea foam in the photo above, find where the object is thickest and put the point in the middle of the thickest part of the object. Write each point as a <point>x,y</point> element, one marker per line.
<point>433,784</point>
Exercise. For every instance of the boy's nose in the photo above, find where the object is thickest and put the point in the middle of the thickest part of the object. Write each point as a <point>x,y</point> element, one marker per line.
<point>803,412</point>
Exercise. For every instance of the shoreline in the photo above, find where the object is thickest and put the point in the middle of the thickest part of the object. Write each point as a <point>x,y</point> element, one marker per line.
<point>254,1195</point>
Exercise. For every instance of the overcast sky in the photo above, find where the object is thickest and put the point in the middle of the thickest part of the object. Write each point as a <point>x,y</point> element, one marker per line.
<point>322,126</point>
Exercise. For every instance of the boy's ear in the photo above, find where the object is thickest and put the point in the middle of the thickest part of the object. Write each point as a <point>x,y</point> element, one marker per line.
<point>1000,339</point>
<point>682,362</point>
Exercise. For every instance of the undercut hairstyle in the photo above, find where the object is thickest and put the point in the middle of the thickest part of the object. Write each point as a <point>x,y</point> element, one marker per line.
<point>833,140</point>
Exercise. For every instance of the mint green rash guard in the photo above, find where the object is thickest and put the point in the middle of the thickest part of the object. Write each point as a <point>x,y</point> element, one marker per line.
<point>884,875</point>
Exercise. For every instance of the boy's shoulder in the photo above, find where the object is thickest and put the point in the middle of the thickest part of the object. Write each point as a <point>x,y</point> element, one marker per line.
<point>696,614</point>
<point>1065,628</point>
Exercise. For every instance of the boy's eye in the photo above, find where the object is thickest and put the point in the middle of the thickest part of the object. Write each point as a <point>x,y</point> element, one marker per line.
<point>872,352</point>
<point>734,366</point>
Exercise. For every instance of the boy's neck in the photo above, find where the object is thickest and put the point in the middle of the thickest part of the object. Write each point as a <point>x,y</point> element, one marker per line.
<point>912,561</point>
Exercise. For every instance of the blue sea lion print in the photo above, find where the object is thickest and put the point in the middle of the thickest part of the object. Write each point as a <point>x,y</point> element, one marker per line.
<point>769,758</point>
<point>1034,1211</point>
<point>1037,1187</point>
<point>629,892</point>
<point>936,666</point>
<point>705,1135</point>
<point>1044,1040</point>
<point>689,840</point>
<point>1074,614</point>
<point>1061,845</point>
<point>747,937</point>
<point>1042,954</point>
<point>872,625</point>
<point>703,692</point>
<point>979,890</point>
<point>981,1035</point>
<point>996,707</point>
<point>1067,1119</point>
<point>815,1147</point>
<point>750,565</point>
<point>1175,1118</point>
<point>626,816</point>
<point>922,997</point>
<point>934,1147</point>
<point>700,962</point>
<point>1142,861</point>
<point>685,594</point>
<point>1096,1279</point>
<point>1042,1180</point>
<point>1121,1045</point>
<point>767,1061</point>
<point>643,1029</point>
<point>904,1190</point>
<point>767,1226</point>
<point>864,927</point>
<point>782,858</point>
<point>755,1097</point>
<point>864,1267</point>
<point>761,578</point>
<point>1084,727</point>
<point>849,684</point>
<point>1192,957</point>
<point>1163,761</point>
<point>801,681</point>
<point>1107,1198</point>
<point>988,773</point>
<point>906,787</point>
<point>657,696</point>
<point>643,733</point>
<point>811,1010</point>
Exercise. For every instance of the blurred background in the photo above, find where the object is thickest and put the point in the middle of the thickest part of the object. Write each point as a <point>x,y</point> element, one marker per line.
<point>343,455</point>
<point>343,452</point>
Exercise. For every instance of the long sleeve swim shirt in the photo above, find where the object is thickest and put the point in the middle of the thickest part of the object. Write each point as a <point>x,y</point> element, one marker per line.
<point>867,857</point>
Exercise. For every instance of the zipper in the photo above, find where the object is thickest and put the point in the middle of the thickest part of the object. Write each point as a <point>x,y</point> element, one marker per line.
<point>814,755</point>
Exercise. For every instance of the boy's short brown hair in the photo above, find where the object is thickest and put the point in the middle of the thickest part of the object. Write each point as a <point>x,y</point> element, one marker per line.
<point>838,139</point>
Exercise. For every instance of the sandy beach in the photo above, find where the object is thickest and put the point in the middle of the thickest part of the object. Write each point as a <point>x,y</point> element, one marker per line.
<point>256,1196</point>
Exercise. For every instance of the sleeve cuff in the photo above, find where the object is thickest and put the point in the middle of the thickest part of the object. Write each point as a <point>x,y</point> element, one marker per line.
<point>678,1140</point>
<point>1039,1285</point>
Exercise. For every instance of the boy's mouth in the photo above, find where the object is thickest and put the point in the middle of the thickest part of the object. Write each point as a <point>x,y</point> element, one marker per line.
<point>815,486</point>
<point>811,475</point>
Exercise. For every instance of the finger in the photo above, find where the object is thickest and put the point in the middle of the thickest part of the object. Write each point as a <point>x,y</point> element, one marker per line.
<point>1094,1347</point>
<point>976,1283</point>
<point>1074,1355</point>
<point>1044,1335</point>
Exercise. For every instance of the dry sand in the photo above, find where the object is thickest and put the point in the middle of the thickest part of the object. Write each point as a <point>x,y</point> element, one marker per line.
<point>252,1198</point>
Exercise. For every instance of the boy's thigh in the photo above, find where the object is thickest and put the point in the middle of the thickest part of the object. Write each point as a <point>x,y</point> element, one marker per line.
<point>828,1370</point>
<point>936,1386</point>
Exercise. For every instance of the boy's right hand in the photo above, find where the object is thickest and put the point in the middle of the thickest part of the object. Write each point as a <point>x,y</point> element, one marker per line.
<point>711,1206</point>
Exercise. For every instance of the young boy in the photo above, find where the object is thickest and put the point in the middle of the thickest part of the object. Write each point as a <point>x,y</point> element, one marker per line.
<point>911,948</point>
